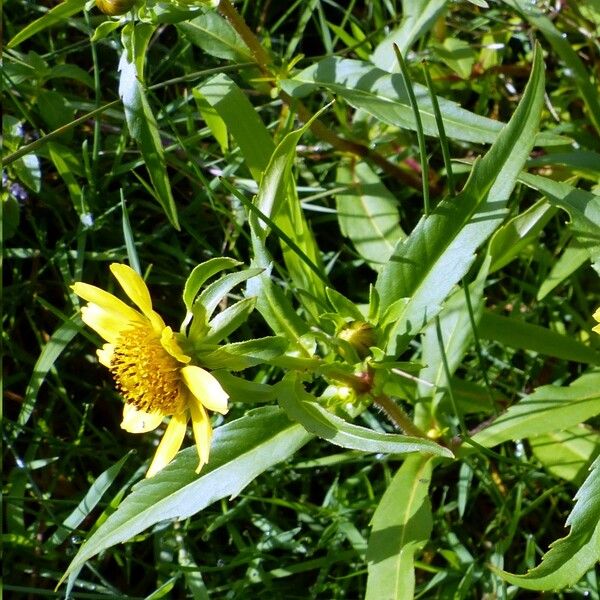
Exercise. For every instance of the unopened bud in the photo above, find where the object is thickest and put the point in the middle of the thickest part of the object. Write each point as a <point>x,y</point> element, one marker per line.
<point>360,335</point>
<point>115,7</point>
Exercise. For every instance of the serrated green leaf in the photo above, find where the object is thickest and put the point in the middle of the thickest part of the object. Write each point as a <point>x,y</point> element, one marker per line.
<point>571,557</point>
<point>515,333</point>
<point>277,199</point>
<point>241,450</point>
<point>213,120</point>
<point>301,406</point>
<point>368,213</point>
<point>437,254</point>
<point>549,408</point>
<point>343,306</point>
<point>401,526</point>
<point>457,54</point>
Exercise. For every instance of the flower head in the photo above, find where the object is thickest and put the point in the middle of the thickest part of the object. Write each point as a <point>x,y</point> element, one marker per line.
<point>150,369</point>
<point>596,316</point>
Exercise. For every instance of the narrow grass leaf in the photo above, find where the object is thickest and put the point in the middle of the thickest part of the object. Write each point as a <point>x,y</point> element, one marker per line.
<point>571,557</point>
<point>52,350</point>
<point>401,526</point>
<point>549,408</point>
<point>301,406</point>
<point>241,451</point>
<point>89,502</point>
<point>573,256</point>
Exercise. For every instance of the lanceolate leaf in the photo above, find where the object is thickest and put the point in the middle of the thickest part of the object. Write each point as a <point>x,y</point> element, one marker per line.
<point>418,17</point>
<point>571,557</point>
<point>384,96</point>
<point>569,453</point>
<point>436,255</point>
<point>216,36</point>
<point>48,356</point>
<point>201,273</point>
<point>241,451</point>
<point>549,408</point>
<point>402,525</point>
<point>59,14</point>
<point>583,208</point>
<point>516,333</point>
<point>242,120</point>
<point>368,213</point>
<point>300,406</point>
<point>142,124</point>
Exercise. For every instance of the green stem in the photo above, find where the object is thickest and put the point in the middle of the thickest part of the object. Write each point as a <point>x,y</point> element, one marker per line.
<point>397,415</point>
<point>237,22</point>
<point>263,60</point>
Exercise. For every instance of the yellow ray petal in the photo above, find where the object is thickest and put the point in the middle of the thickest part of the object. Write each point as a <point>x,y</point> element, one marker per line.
<point>596,315</point>
<point>105,354</point>
<point>206,388</point>
<point>135,287</point>
<point>202,431</point>
<point>169,343</point>
<point>107,324</point>
<point>139,421</point>
<point>596,329</point>
<point>102,298</point>
<point>170,443</point>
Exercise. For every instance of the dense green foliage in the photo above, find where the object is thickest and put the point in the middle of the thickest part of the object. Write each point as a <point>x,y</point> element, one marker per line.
<point>396,290</point>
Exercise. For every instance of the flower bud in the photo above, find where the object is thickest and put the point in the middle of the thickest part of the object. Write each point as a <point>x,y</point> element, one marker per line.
<point>359,335</point>
<point>115,7</point>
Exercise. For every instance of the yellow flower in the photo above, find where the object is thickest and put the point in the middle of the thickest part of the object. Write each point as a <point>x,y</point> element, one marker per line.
<point>596,316</point>
<point>150,369</point>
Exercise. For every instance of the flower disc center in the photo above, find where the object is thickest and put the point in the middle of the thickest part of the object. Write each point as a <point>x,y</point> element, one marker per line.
<point>145,373</point>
